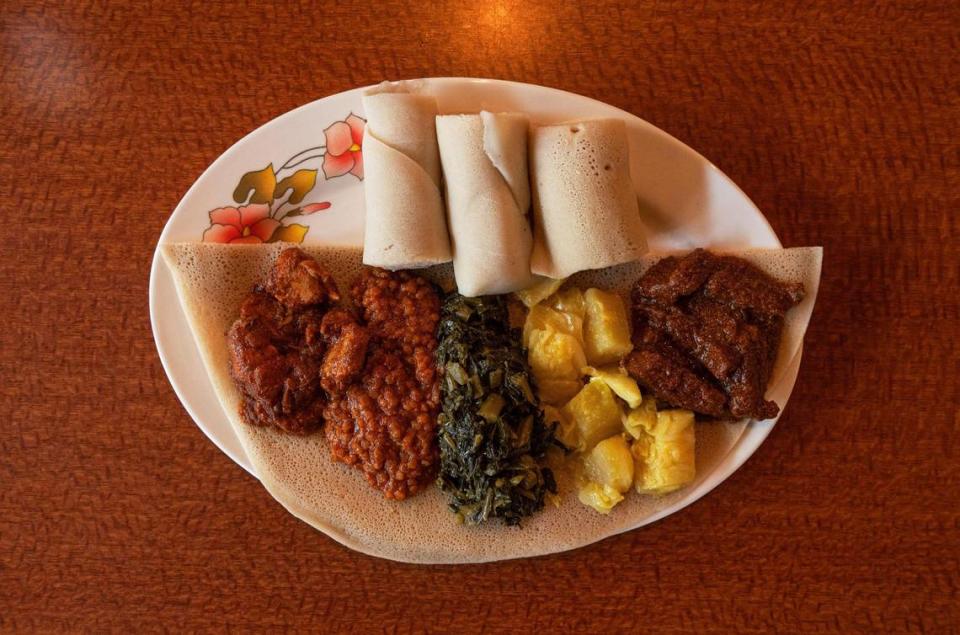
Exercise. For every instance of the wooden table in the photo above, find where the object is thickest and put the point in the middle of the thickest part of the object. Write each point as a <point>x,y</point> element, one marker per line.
<point>838,118</point>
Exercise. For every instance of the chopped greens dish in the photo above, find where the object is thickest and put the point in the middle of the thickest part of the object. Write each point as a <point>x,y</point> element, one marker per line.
<point>491,430</point>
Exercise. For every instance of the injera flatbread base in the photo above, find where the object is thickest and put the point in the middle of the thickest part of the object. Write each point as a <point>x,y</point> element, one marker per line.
<point>211,281</point>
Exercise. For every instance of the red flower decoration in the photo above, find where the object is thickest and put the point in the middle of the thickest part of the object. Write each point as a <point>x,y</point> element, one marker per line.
<point>344,148</point>
<point>238,225</point>
<point>313,208</point>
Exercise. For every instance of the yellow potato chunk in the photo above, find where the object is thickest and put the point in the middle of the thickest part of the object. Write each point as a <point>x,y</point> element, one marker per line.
<point>641,421</point>
<point>602,498</point>
<point>557,392</point>
<point>539,291</point>
<point>554,355</point>
<point>569,301</point>
<point>666,460</point>
<point>610,463</point>
<point>606,332</point>
<point>595,413</point>
<point>543,318</point>
<point>623,385</point>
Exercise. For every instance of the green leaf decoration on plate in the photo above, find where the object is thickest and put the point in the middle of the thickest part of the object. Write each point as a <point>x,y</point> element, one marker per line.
<point>301,182</point>
<point>289,233</point>
<point>262,183</point>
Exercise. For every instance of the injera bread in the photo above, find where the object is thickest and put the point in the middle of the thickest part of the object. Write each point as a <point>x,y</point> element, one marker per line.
<point>585,209</point>
<point>484,159</point>
<point>405,225</point>
<point>211,280</point>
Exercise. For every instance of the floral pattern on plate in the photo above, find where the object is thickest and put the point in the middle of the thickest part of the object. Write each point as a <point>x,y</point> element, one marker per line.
<point>264,208</point>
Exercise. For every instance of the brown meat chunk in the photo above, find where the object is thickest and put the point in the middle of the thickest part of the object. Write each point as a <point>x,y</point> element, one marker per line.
<point>707,330</point>
<point>276,350</point>
<point>695,338</point>
<point>671,278</point>
<point>747,387</point>
<point>298,280</point>
<point>348,341</point>
<point>659,373</point>
<point>256,363</point>
<point>717,317</point>
<point>739,284</point>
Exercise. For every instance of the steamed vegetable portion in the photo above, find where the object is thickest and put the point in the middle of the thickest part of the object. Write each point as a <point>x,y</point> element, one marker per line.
<point>553,338</point>
<point>620,383</point>
<point>557,333</point>
<point>641,419</point>
<point>492,434</point>
<point>615,437</point>
<point>657,456</point>
<point>665,453</point>
<point>555,355</point>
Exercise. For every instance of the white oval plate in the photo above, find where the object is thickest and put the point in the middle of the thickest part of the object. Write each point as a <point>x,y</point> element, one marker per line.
<point>686,202</point>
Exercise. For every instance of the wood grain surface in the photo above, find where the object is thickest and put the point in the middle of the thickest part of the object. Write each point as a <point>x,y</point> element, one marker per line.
<point>839,119</point>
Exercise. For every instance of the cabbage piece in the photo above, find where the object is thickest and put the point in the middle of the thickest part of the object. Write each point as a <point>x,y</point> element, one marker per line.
<point>544,318</point>
<point>602,498</point>
<point>622,384</point>
<point>640,421</point>
<point>554,355</point>
<point>665,456</point>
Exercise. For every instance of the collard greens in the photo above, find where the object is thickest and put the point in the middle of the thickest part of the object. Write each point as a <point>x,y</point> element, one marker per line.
<point>491,429</point>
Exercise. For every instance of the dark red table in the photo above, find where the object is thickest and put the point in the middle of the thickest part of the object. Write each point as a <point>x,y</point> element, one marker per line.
<point>838,118</point>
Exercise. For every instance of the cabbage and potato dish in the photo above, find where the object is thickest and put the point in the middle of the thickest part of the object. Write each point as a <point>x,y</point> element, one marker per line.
<point>615,436</point>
